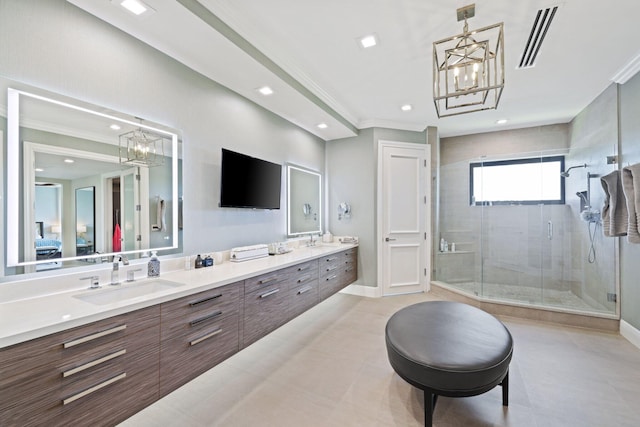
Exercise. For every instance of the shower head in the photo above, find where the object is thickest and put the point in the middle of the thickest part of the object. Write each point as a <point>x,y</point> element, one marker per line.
<point>565,174</point>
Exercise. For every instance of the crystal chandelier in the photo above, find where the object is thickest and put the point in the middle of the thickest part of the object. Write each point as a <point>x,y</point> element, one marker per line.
<point>468,69</point>
<point>142,148</point>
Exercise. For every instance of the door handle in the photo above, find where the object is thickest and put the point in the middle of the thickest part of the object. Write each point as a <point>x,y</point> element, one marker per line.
<point>387,239</point>
<point>550,230</point>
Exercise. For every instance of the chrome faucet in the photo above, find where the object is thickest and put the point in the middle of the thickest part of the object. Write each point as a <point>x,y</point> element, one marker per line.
<point>115,272</point>
<point>311,242</point>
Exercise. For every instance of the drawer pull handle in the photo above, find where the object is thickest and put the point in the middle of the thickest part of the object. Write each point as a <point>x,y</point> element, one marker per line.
<point>205,318</point>
<point>331,277</point>
<point>205,337</point>
<point>303,268</point>
<point>266,294</point>
<point>303,279</point>
<point>347,270</point>
<point>94,388</point>
<point>204,300</point>
<point>331,259</point>
<point>304,290</point>
<point>262,282</point>
<point>332,268</point>
<point>94,336</point>
<point>93,363</point>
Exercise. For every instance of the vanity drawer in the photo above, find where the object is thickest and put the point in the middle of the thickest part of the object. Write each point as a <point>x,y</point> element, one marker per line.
<point>330,284</point>
<point>264,310</point>
<point>183,315</point>
<point>302,296</point>
<point>30,382</point>
<point>186,356</point>
<point>309,267</point>
<point>111,400</point>
<point>107,362</point>
<point>255,284</point>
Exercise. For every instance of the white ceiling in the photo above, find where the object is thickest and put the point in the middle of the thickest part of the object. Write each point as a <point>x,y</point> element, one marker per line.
<point>307,52</point>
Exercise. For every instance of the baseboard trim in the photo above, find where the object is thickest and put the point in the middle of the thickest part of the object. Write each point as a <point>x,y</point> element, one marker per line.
<point>630,333</point>
<point>363,291</point>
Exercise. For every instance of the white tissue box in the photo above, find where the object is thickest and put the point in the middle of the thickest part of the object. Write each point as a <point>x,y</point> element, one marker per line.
<point>246,253</point>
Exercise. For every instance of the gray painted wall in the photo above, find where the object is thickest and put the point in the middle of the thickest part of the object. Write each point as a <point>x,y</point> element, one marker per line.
<point>630,154</point>
<point>58,47</point>
<point>352,165</point>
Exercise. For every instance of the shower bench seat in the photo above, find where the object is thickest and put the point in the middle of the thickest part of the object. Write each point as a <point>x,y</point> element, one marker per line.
<point>449,349</point>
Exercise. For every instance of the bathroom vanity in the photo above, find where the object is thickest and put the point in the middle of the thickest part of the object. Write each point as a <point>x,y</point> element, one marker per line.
<point>90,359</point>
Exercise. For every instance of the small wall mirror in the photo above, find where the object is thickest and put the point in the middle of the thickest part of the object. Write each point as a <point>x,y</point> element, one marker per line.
<point>91,179</point>
<point>85,221</point>
<point>304,196</point>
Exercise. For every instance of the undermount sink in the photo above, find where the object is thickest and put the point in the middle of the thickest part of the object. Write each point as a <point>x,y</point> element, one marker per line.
<point>126,291</point>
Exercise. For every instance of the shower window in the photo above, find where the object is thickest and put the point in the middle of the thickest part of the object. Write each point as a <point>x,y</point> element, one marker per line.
<point>530,181</point>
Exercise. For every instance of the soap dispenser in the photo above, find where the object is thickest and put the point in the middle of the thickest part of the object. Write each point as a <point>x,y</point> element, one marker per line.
<point>153,266</point>
<point>199,262</point>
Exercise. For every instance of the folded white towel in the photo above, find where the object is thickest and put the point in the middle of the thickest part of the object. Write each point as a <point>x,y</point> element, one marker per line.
<point>161,224</point>
<point>615,216</point>
<point>631,187</point>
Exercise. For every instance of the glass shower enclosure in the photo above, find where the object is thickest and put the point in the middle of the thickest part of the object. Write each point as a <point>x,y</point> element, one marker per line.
<point>526,230</point>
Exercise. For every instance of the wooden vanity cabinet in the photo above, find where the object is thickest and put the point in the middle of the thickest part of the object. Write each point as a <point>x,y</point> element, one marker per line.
<point>103,372</point>
<point>100,373</point>
<point>109,369</point>
<point>30,382</point>
<point>303,287</point>
<point>265,305</point>
<point>336,271</point>
<point>198,332</point>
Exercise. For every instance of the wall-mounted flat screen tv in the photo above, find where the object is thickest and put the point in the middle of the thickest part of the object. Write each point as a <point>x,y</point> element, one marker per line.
<point>248,182</point>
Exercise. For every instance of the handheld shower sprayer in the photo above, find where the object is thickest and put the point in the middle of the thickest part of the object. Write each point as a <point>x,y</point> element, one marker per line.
<point>583,197</point>
<point>565,174</point>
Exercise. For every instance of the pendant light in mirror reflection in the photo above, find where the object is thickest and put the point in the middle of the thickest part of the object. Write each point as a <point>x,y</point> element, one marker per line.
<point>141,147</point>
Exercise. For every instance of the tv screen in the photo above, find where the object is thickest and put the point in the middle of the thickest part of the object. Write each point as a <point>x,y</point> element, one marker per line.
<point>247,182</point>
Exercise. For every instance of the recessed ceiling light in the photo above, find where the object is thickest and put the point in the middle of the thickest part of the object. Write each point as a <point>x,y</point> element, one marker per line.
<point>407,107</point>
<point>368,41</point>
<point>69,160</point>
<point>501,121</point>
<point>134,6</point>
<point>39,170</point>
<point>323,125</point>
<point>265,90</point>
<point>115,127</point>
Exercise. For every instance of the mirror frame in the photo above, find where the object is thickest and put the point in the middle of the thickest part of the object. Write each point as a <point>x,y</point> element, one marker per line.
<point>291,167</point>
<point>93,219</point>
<point>13,174</point>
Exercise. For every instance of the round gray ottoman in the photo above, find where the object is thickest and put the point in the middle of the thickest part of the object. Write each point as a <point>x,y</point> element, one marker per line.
<point>449,349</point>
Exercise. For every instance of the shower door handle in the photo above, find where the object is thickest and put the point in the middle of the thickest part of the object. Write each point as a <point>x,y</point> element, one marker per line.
<point>549,230</point>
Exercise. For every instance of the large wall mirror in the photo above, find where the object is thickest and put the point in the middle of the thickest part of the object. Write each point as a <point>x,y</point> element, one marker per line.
<point>94,181</point>
<point>304,196</point>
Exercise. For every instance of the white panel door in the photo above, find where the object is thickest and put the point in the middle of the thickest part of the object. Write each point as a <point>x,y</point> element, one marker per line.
<point>403,197</point>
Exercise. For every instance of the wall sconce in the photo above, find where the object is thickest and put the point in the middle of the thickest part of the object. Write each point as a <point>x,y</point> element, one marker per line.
<point>344,210</point>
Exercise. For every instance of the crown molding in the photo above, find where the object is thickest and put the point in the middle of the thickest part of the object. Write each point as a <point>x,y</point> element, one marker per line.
<point>628,71</point>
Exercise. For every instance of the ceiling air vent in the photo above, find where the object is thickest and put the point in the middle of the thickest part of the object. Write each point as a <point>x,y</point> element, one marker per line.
<point>536,37</point>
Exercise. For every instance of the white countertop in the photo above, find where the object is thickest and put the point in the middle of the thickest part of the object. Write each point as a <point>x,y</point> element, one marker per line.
<point>36,316</point>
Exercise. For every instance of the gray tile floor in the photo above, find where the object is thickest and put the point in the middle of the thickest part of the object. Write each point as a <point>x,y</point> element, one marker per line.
<point>329,367</point>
